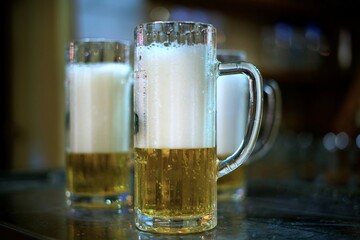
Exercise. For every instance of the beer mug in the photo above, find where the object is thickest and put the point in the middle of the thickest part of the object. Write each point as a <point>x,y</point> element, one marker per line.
<point>232,110</point>
<point>98,98</point>
<point>176,167</point>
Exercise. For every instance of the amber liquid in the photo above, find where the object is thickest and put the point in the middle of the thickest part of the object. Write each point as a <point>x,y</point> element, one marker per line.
<point>97,174</point>
<point>175,183</point>
<point>232,184</point>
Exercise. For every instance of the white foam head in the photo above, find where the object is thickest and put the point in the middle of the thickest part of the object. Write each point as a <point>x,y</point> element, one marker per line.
<point>99,105</point>
<point>175,96</point>
<point>232,112</point>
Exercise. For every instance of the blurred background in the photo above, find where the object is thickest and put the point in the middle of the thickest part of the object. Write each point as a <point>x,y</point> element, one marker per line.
<point>311,48</point>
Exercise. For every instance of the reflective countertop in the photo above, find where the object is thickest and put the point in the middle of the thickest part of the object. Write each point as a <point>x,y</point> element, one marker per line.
<point>33,207</point>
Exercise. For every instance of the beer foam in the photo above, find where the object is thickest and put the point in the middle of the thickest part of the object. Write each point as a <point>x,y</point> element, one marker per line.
<point>232,112</point>
<point>99,105</point>
<point>175,96</point>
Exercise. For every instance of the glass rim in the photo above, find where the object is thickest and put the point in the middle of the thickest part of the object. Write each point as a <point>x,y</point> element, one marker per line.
<point>100,40</point>
<point>174,22</point>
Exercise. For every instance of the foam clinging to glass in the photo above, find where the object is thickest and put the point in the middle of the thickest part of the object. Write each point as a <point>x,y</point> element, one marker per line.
<point>177,110</point>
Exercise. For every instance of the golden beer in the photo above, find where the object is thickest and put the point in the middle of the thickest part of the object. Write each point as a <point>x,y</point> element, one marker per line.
<point>103,175</point>
<point>232,186</point>
<point>176,183</point>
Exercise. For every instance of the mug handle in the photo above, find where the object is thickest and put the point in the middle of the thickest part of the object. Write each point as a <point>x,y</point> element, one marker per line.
<point>272,121</point>
<point>255,115</point>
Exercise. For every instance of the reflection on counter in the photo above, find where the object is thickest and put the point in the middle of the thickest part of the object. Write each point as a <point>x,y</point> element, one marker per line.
<point>329,160</point>
<point>272,210</point>
<point>208,235</point>
<point>98,224</point>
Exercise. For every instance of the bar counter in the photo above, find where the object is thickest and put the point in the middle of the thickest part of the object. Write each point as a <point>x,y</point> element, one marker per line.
<point>33,207</point>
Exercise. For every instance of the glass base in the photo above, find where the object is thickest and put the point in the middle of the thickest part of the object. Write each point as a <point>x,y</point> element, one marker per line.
<point>175,226</point>
<point>232,194</point>
<point>118,201</point>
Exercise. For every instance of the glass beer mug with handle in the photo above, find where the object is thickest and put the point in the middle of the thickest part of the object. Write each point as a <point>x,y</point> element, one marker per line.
<point>176,167</point>
<point>232,108</point>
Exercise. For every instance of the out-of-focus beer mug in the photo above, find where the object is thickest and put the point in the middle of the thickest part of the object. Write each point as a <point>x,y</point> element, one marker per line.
<point>176,167</point>
<point>232,120</point>
<point>98,90</point>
